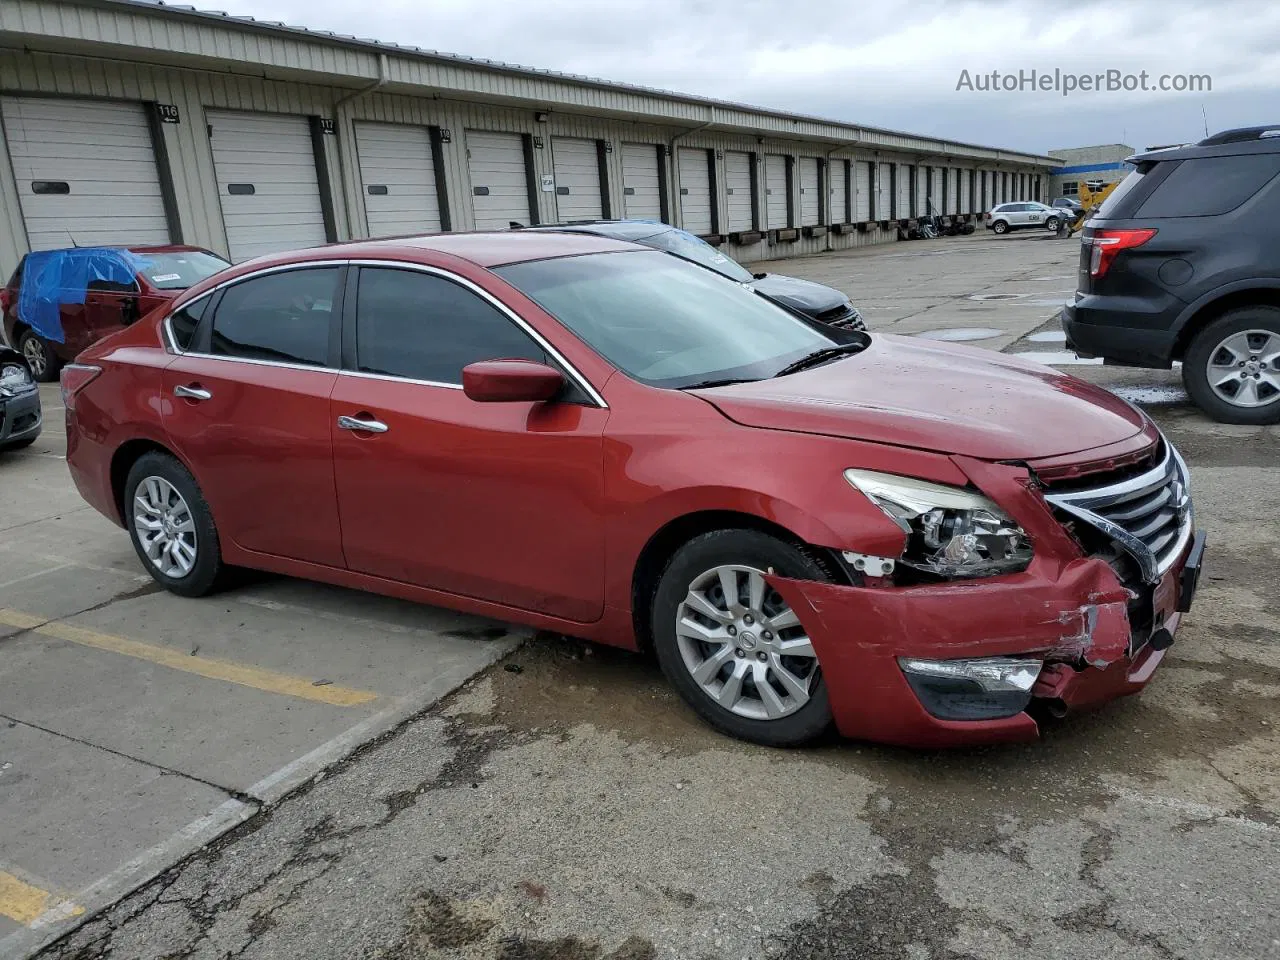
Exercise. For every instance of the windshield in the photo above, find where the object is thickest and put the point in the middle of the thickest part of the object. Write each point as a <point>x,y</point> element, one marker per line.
<point>686,245</point>
<point>664,322</point>
<point>179,269</point>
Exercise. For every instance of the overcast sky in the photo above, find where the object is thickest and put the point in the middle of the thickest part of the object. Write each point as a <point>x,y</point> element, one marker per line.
<point>890,63</point>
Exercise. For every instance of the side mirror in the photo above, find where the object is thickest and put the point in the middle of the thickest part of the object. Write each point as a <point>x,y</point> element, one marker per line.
<point>511,381</point>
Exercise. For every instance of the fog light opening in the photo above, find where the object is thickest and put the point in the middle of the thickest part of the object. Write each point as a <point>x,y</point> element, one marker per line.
<point>983,688</point>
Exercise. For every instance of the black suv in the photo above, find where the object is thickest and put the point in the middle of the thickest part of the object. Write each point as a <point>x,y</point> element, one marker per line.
<point>1181,263</point>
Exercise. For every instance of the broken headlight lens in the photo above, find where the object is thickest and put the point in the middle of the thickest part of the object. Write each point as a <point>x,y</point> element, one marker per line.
<point>14,379</point>
<point>951,532</point>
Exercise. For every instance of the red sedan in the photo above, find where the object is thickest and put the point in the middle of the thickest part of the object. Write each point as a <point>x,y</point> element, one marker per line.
<point>922,544</point>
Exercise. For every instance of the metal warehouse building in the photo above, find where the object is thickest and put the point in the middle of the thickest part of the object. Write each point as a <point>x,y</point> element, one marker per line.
<point>127,121</point>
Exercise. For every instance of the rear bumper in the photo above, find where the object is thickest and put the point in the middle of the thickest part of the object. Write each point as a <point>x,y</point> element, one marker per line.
<point>20,418</point>
<point>1075,619</point>
<point>1125,336</point>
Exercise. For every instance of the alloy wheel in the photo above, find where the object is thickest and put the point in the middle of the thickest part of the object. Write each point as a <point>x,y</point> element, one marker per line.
<point>165,527</point>
<point>33,353</point>
<point>744,646</point>
<point>1244,369</point>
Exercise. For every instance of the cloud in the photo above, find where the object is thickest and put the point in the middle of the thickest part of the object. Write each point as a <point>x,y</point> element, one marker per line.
<point>879,62</point>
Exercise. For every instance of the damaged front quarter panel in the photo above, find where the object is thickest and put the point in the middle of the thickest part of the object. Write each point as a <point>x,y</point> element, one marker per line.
<point>1065,608</point>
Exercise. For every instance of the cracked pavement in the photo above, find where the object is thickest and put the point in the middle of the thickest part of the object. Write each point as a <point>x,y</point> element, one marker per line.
<point>565,806</point>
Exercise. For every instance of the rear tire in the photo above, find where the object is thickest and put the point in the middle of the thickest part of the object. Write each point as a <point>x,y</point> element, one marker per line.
<point>1215,357</point>
<point>708,675</point>
<point>1000,227</point>
<point>1051,224</point>
<point>164,505</point>
<point>40,357</point>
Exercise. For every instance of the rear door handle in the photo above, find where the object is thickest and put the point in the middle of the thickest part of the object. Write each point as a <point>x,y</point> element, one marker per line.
<point>368,426</point>
<point>192,393</point>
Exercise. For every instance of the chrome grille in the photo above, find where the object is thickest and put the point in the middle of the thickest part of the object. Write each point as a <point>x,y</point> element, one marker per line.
<point>1149,515</point>
<point>844,316</point>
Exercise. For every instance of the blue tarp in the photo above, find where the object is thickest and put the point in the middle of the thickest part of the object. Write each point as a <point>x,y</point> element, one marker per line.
<point>51,278</point>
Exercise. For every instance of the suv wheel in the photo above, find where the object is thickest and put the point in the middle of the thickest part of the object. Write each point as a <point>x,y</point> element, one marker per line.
<point>1051,224</point>
<point>1000,226</point>
<point>1232,369</point>
<point>731,646</point>
<point>39,356</point>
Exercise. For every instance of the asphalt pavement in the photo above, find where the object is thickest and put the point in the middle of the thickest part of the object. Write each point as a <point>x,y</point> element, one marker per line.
<point>562,804</point>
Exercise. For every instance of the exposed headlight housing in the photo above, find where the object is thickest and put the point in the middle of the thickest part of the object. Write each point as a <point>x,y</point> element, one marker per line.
<point>951,532</point>
<point>15,379</point>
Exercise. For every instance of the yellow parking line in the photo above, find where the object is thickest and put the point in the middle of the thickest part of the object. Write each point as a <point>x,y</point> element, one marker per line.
<point>25,903</point>
<point>23,621</point>
<point>239,673</point>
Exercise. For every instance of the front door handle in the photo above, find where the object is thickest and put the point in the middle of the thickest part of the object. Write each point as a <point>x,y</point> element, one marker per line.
<point>368,426</point>
<point>192,393</point>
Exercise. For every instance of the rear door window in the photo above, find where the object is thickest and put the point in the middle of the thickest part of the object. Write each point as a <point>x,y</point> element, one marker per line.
<point>1210,186</point>
<point>286,317</point>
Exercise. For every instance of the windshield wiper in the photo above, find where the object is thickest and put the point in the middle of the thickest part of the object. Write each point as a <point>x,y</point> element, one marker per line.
<point>724,382</point>
<point>820,356</point>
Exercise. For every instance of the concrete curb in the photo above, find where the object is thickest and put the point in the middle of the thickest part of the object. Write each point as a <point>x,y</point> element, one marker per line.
<point>266,793</point>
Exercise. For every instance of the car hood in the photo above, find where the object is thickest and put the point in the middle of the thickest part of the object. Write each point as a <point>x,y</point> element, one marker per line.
<point>803,295</point>
<point>941,397</point>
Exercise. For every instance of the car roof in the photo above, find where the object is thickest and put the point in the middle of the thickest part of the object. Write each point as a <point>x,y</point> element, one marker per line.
<point>500,247</point>
<point>616,229</point>
<point>1228,143</point>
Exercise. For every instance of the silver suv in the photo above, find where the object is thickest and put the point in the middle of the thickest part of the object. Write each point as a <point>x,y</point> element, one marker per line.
<point>1013,216</point>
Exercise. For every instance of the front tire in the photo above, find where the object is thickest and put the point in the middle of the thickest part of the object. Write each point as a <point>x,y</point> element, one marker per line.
<point>1232,368</point>
<point>40,357</point>
<point>729,644</point>
<point>172,527</point>
<point>1000,227</point>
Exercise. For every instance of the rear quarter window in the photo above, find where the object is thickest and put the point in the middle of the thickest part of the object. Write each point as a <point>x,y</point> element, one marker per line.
<point>1210,186</point>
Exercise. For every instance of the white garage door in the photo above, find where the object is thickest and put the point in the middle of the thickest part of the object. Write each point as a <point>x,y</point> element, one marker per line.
<point>577,167</point>
<point>939,194</point>
<point>862,191</point>
<point>810,208</point>
<point>266,171</point>
<point>695,190</point>
<point>775,190</point>
<point>884,187</point>
<point>399,179</point>
<point>966,191</point>
<point>86,172</point>
<point>737,184</point>
<point>838,171</point>
<point>641,183</point>
<point>499,179</point>
<point>923,174</point>
<point>904,190</point>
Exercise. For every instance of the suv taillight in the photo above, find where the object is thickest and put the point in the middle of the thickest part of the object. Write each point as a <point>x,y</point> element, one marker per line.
<point>75,377</point>
<point>1107,243</point>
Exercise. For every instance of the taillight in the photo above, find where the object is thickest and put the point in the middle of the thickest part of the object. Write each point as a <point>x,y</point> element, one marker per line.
<point>75,377</point>
<point>1107,243</point>
<point>6,299</point>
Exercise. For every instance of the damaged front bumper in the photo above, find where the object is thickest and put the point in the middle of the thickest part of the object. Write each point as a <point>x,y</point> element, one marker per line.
<point>1074,617</point>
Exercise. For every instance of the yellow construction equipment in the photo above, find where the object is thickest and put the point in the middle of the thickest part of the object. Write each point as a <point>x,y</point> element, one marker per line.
<point>1091,195</point>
